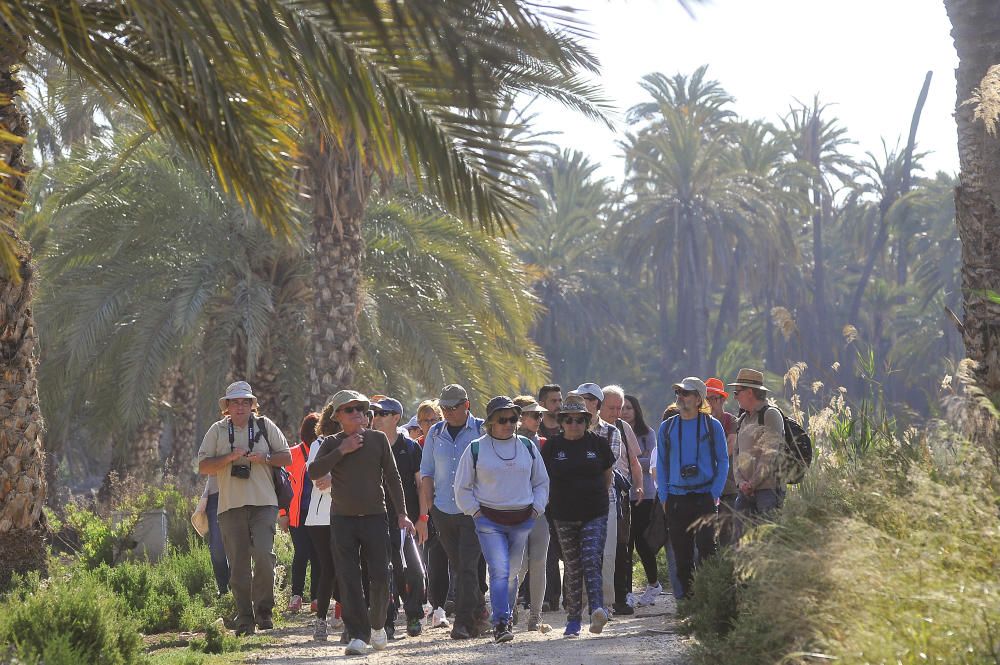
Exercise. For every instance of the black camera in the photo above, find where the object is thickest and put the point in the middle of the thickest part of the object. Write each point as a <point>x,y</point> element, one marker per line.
<point>240,471</point>
<point>689,471</point>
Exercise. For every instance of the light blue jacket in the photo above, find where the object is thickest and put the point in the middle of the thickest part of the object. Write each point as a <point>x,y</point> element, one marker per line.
<point>713,466</point>
<point>440,460</point>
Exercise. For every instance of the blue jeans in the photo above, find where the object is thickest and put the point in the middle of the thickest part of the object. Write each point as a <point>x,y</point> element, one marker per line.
<point>220,564</point>
<point>503,548</point>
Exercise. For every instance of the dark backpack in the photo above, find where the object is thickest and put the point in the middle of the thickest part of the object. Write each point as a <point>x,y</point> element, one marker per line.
<point>798,451</point>
<point>282,480</point>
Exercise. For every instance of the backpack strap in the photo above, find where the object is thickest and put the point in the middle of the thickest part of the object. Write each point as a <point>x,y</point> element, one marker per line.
<point>525,441</point>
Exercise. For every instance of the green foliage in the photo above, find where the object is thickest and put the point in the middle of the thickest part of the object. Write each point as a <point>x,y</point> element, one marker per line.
<point>874,559</point>
<point>101,540</point>
<point>66,618</point>
<point>217,640</point>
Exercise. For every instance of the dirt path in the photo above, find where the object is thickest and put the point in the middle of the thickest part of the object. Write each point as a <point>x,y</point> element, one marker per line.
<point>650,636</point>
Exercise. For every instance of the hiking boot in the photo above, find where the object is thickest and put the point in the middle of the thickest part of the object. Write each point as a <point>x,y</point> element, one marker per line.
<point>572,629</point>
<point>449,608</point>
<point>623,609</point>
<point>390,631</point>
<point>439,619</point>
<point>414,626</point>
<point>245,630</point>
<point>482,625</point>
<point>295,604</point>
<point>265,623</point>
<point>319,630</point>
<point>356,648</point>
<point>648,596</point>
<point>502,632</point>
<point>546,606</point>
<point>380,640</point>
<point>598,620</point>
<point>535,623</point>
<point>460,632</point>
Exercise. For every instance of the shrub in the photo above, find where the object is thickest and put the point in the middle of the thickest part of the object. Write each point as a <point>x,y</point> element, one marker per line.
<point>217,640</point>
<point>69,620</point>
<point>99,540</point>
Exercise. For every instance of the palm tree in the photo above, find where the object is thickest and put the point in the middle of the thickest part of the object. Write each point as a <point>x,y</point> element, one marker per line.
<point>977,199</point>
<point>232,83</point>
<point>688,191</point>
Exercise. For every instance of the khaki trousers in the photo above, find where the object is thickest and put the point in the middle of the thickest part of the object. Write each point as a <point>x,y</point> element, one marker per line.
<point>248,536</point>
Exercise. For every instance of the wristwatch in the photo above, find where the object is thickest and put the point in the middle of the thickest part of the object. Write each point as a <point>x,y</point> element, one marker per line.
<point>267,458</point>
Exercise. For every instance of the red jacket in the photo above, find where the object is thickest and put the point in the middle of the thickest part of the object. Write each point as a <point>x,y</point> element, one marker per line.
<point>297,476</point>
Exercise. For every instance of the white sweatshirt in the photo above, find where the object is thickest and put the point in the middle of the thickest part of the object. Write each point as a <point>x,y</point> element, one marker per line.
<point>319,500</point>
<point>505,477</point>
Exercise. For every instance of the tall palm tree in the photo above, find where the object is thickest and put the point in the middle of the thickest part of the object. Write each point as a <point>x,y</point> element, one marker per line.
<point>232,83</point>
<point>977,197</point>
<point>688,191</point>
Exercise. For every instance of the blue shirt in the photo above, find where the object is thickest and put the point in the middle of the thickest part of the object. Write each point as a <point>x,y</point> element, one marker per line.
<point>440,459</point>
<point>691,443</point>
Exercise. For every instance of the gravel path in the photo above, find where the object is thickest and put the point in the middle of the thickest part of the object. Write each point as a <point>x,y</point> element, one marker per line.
<point>650,636</point>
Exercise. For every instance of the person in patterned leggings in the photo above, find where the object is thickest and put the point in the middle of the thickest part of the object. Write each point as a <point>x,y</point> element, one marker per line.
<point>579,465</point>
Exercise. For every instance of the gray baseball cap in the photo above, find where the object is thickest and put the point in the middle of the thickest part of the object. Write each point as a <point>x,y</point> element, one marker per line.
<point>694,384</point>
<point>452,394</point>
<point>591,389</point>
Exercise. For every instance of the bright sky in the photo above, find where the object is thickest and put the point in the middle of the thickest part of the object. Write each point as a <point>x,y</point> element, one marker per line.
<point>866,59</point>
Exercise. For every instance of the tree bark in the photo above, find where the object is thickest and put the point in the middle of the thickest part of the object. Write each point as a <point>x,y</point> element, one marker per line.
<point>976,31</point>
<point>341,184</point>
<point>22,459</point>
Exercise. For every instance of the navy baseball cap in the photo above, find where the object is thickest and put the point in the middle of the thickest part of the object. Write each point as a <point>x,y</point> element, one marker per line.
<point>388,404</point>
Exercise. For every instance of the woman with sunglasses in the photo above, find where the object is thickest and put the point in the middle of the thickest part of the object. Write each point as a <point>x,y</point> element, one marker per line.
<point>501,481</point>
<point>579,464</point>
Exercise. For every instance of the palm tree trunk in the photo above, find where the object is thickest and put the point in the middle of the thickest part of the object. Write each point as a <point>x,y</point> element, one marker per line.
<point>341,183</point>
<point>977,197</point>
<point>22,459</point>
<point>184,423</point>
<point>728,307</point>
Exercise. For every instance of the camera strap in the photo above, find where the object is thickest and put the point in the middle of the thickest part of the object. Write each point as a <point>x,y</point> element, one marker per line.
<point>250,436</point>
<point>680,441</point>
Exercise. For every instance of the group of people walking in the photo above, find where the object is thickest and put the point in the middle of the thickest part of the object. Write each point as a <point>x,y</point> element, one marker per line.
<point>429,515</point>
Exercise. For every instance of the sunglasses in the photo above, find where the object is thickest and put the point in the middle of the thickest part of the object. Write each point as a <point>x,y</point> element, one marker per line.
<point>512,420</point>
<point>573,420</point>
<point>685,393</point>
<point>453,408</point>
<point>357,408</point>
<point>383,414</point>
<point>737,391</point>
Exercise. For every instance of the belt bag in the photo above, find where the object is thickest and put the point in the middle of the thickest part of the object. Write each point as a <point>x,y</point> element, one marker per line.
<point>507,517</point>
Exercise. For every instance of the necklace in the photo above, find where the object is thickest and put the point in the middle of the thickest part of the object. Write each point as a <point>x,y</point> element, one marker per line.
<point>493,444</point>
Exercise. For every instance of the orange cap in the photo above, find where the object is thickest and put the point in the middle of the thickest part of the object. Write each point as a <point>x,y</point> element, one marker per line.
<point>716,387</point>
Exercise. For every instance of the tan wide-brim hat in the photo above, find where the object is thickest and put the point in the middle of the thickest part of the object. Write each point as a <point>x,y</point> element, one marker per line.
<point>199,520</point>
<point>344,397</point>
<point>237,390</point>
<point>750,378</point>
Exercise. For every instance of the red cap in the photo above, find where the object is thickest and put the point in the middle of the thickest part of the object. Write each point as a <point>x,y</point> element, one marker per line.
<point>716,387</point>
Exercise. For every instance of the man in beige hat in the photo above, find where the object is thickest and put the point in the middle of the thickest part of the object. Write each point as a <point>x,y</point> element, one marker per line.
<point>760,434</point>
<point>362,468</point>
<point>240,451</point>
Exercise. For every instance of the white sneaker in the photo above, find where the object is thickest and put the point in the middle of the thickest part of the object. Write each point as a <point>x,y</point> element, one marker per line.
<point>648,596</point>
<point>439,620</point>
<point>357,648</point>
<point>335,623</point>
<point>598,620</point>
<point>631,599</point>
<point>379,639</point>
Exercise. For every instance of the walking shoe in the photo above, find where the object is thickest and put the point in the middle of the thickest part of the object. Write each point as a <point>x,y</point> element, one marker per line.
<point>535,623</point>
<point>598,620</point>
<point>295,604</point>
<point>502,632</point>
<point>379,640</point>
<point>623,609</point>
<point>244,630</point>
<point>439,619</point>
<point>460,632</point>
<point>572,629</point>
<point>390,631</point>
<point>449,607</point>
<point>414,626</point>
<point>265,623</point>
<point>631,599</point>
<point>335,622</point>
<point>483,623</point>
<point>319,630</point>
<point>648,596</point>
<point>356,648</point>
<point>314,606</point>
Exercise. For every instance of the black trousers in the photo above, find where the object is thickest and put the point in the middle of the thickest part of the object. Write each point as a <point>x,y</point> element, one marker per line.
<point>438,578</point>
<point>407,578</point>
<point>324,571</point>
<point>303,556</point>
<point>641,512</point>
<point>553,580</point>
<point>458,536</point>
<point>690,521</point>
<point>623,555</point>
<point>353,536</point>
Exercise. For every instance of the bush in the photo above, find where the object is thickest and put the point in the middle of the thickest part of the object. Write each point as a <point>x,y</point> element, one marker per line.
<point>69,620</point>
<point>99,540</point>
<point>217,640</point>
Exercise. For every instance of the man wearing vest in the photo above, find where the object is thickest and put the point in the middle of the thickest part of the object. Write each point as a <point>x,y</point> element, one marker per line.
<point>692,465</point>
<point>760,437</point>
<point>240,451</point>
<point>443,447</point>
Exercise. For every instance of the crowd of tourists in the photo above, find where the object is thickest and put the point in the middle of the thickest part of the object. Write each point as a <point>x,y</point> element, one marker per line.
<point>539,504</point>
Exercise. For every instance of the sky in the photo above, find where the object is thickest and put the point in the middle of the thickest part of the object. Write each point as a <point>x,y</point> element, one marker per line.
<point>865,58</point>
